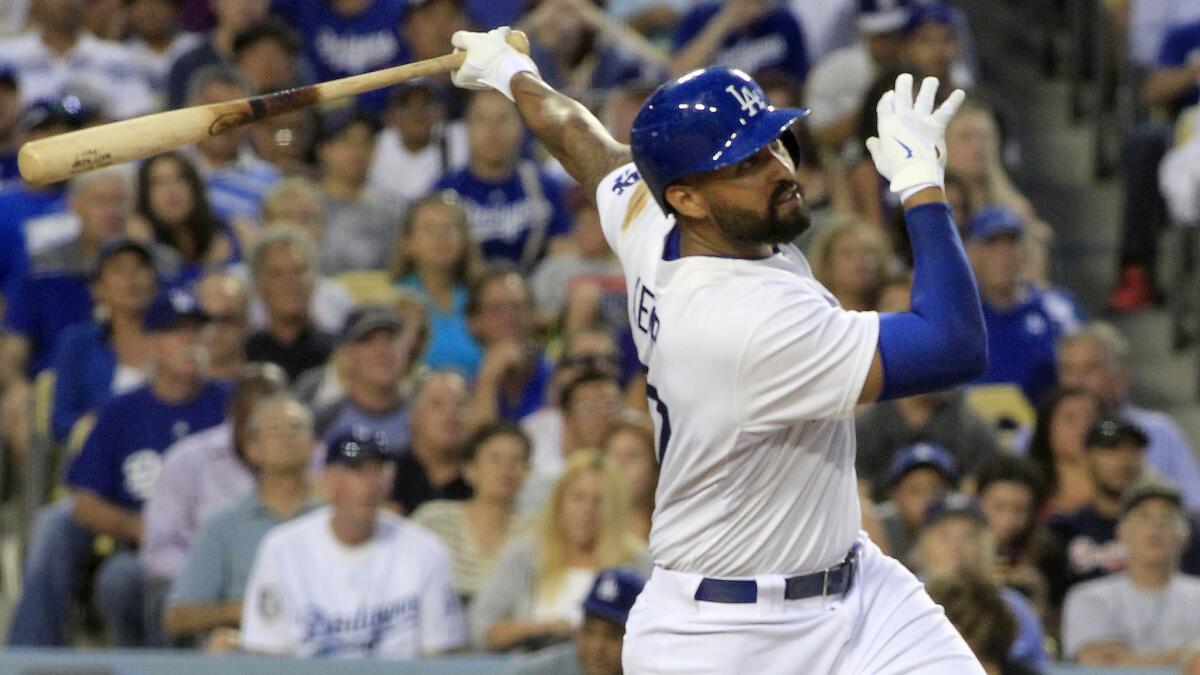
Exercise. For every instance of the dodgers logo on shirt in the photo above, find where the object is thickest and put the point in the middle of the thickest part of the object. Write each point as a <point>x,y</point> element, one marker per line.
<point>627,179</point>
<point>141,471</point>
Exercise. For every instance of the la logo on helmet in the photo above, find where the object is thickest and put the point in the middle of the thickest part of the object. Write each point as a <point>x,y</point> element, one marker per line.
<point>748,98</point>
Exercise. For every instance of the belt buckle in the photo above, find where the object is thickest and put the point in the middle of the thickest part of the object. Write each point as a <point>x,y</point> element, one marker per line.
<point>825,584</point>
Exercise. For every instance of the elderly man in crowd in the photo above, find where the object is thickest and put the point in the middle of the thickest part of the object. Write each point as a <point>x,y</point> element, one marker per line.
<point>206,598</point>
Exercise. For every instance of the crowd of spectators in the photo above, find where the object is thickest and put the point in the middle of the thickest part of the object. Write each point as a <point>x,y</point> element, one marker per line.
<point>358,380</point>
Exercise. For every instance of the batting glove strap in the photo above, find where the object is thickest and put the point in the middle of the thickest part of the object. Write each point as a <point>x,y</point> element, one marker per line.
<point>491,62</point>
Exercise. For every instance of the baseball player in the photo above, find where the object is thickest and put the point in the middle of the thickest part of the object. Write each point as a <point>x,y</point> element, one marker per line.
<point>754,370</point>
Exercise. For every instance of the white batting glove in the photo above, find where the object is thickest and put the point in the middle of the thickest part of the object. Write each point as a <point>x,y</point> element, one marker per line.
<point>910,150</point>
<point>491,62</point>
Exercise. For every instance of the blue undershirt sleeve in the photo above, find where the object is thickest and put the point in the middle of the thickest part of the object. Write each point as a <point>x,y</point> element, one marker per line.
<point>941,342</point>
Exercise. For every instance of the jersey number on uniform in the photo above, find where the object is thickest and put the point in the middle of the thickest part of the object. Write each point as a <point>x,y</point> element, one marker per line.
<point>664,430</point>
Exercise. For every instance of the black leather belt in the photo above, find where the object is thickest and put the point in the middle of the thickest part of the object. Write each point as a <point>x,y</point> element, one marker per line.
<point>833,581</point>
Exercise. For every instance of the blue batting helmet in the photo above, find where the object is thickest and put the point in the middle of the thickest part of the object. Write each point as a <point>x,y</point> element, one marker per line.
<point>704,120</point>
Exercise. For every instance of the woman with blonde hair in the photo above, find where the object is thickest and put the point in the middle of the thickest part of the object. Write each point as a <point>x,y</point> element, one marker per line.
<point>535,592</point>
<point>436,259</point>
<point>973,154</point>
<point>852,259</point>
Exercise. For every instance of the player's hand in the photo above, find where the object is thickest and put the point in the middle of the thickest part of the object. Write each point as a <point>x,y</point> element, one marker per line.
<point>910,150</point>
<point>491,62</point>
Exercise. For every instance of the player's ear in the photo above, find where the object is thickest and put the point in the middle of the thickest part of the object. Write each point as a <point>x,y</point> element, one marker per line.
<point>686,201</point>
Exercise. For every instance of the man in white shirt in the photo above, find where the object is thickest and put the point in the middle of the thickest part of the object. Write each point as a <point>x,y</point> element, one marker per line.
<point>1150,613</point>
<point>754,370</point>
<point>61,58</point>
<point>418,142</point>
<point>352,580</point>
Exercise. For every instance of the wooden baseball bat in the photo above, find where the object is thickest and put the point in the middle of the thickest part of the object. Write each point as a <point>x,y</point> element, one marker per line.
<point>53,159</point>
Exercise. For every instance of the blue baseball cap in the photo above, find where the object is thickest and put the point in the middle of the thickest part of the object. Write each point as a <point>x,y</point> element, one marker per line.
<point>994,220</point>
<point>68,110</point>
<point>954,504</point>
<point>613,594</point>
<point>932,12</point>
<point>882,16</point>
<point>919,455</point>
<point>353,447</point>
<point>170,309</point>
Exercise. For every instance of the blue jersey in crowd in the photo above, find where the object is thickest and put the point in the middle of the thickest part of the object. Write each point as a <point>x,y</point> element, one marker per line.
<point>1181,47</point>
<point>20,204</point>
<point>533,397</point>
<point>9,173</point>
<point>122,457</point>
<point>40,306</point>
<point>1022,338</point>
<point>505,215</point>
<point>84,364</point>
<point>774,41</point>
<point>340,46</point>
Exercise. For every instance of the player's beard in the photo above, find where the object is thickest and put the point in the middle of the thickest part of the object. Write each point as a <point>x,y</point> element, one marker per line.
<point>773,227</point>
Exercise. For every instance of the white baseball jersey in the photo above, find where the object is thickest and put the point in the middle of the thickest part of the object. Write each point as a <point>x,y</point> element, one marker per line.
<point>754,372</point>
<point>311,595</point>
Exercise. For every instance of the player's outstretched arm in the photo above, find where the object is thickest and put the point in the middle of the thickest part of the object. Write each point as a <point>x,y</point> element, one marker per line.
<point>565,126</point>
<point>942,341</point>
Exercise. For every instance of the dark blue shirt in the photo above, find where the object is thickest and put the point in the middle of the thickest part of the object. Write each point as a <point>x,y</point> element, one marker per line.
<point>1181,47</point>
<point>1021,341</point>
<point>489,14</point>
<point>774,41</point>
<point>122,457</point>
<point>9,173</point>
<point>20,204</point>
<point>1092,548</point>
<point>503,215</point>
<point>40,306</point>
<point>340,46</point>
<point>84,365</point>
<point>533,397</point>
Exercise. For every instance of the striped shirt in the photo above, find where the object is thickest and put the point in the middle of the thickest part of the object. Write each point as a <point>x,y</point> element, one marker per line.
<point>236,190</point>
<point>470,566</point>
<point>94,70</point>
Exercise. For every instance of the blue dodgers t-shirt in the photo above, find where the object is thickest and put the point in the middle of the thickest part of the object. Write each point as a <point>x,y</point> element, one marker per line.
<point>1181,47</point>
<point>20,204</point>
<point>122,458</point>
<point>1021,341</point>
<point>9,172</point>
<point>40,306</point>
<point>503,215</point>
<point>774,41</point>
<point>339,46</point>
<point>533,397</point>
